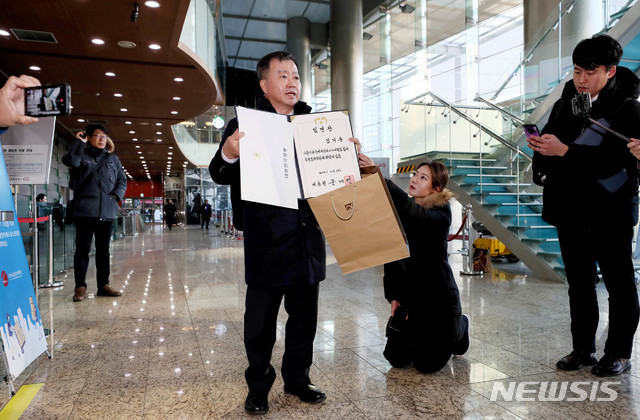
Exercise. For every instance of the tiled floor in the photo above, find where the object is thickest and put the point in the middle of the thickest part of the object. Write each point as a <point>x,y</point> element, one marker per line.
<point>171,346</point>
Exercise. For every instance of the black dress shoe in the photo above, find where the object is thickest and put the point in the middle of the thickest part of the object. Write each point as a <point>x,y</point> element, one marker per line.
<point>256,403</point>
<point>308,393</point>
<point>462,347</point>
<point>576,359</point>
<point>611,366</point>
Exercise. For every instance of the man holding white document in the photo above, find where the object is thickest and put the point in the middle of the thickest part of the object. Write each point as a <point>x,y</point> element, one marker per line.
<point>284,254</point>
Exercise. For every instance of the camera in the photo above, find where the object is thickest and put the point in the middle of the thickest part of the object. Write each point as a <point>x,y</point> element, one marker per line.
<point>47,100</point>
<point>581,104</point>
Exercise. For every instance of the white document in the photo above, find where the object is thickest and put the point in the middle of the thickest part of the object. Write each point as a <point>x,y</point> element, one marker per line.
<point>267,159</point>
<point>326,158</point>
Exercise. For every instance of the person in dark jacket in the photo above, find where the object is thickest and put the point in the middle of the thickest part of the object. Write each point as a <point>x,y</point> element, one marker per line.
<point>422,288</point>
<point>591,196</point>
<point>284,254</point>
<point>170,213</point>
<point>205,213</point>
<point>96,205</point>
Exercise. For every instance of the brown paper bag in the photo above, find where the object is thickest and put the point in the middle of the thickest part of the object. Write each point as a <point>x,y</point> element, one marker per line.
<point>361,224</point>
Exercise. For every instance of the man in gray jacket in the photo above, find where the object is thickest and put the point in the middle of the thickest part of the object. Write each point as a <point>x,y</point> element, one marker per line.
<point>96,196</point>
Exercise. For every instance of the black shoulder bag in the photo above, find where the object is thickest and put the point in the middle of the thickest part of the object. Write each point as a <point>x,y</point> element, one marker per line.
<point>69,216</point>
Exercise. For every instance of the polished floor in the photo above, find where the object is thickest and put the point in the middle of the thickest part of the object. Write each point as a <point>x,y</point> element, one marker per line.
<point>171,347</point>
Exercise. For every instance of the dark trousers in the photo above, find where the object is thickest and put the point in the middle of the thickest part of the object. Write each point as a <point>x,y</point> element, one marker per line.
<point>86,229</point>
<point>260,318</point>
<point>428,349</point>
<point>611,249</point>
<point>205,220</point>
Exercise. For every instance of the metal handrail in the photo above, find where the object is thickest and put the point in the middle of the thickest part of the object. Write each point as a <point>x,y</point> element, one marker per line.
<point>496,107</point>
<point>535,46</point>
<point>472,121</point>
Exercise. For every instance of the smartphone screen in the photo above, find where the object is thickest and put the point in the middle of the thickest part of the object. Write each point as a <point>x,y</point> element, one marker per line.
<point>47,100</point>
<point>530,130</point>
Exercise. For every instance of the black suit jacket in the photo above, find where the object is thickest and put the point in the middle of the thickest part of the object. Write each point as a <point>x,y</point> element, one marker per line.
<point>281,246</point>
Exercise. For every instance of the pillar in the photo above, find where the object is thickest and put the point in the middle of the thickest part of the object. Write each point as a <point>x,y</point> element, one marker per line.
<point>299,45</point>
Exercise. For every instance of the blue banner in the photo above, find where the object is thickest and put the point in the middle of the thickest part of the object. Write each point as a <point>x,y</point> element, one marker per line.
<point>22,332</point>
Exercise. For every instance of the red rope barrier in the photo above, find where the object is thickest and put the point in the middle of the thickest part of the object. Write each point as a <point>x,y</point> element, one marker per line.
<point>30,219</point>
<point>455,236</point>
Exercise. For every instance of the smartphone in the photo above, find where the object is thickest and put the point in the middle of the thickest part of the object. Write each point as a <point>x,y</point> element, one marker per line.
<point>47,100</point>
<point>530,130</point>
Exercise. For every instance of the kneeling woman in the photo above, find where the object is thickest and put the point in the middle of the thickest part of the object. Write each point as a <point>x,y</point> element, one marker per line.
<point>423,285</point>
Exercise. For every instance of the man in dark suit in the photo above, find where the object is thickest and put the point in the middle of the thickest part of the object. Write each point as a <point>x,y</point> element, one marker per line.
<point>205,214</point>
<point>284,255</point>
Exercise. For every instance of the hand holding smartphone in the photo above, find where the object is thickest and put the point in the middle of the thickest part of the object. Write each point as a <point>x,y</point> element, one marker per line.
<point>530,130</point>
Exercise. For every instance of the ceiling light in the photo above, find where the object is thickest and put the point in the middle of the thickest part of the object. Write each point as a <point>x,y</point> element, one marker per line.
<point>134,139</point>
<point>126,44</point>
<point>178,79</point>
<point>97,41</point>
<point>80,120</point>
<point>154,46</point>
<point>169,158</point>
<point>137,146</point>
<point>132,132</point>
<point>153,4</point>
<point>141,157</point>
<point>158,124</point>
<point>170,153</point>
<point>158,132</point>
<point>4,33</point>
<point>159,140</point>
<point>35,68</point>
<point>110,74</point>
<point>174,112</point>
<point>176,98</point>
<point>139,152</point>
<point>127,122</point>
<point>123,109</point>
<point>118,95</point>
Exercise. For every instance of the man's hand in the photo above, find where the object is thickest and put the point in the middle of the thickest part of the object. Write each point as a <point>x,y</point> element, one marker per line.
<point>357,143</point>
<point>364,160</point>
<point>394,305</point>
<point>12,101</point>
<point>547,145</point>
<point>81,135</point>
<point>634,148</point>
<point>231,148</point>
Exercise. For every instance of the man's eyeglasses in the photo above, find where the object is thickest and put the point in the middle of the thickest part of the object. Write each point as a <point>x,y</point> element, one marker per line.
<point>100,137</point>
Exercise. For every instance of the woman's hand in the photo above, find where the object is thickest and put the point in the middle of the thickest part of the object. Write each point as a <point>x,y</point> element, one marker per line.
<point>364,160</point>
<point>394,305</point>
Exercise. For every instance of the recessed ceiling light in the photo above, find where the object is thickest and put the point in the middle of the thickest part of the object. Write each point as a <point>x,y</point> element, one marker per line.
<point>170,147</point>
<point>127,122</point>
<point>176,98</point>
<point>169,158</point>
<point>139,152</point>
<point>158,132</point>
<point>4,33</point>
<point>34,68</point>
<point>154,46</point>
<point>170,153</point>
<point>158,124</point>
<point>141,157</point>
<point>123,109</point>
<point>97,41</point>
<point>153,4</point>
<point>174,112</point>
<point>126,44</point>
<point>159,140</point>
<point>80,120</point>
<point>118,95</point>
<point>134,139</point>
<point>110,74</point>
<point>178,79</point>
<point>132,132</point>
<point>137,146</point>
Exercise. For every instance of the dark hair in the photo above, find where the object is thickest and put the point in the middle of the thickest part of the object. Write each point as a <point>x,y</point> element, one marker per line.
<point>91,128</point>
<point>600,50</point>
<point>262,69</point>
<point>439,173</point>
<point>40,197</point>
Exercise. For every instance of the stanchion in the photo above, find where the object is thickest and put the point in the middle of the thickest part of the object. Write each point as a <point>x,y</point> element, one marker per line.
<point>467,244</point>
<point>50,283</point>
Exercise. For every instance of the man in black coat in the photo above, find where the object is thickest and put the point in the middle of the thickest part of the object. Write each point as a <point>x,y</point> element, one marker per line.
<point>284,253</point>
<point>95,198</point>
<point>205,213</point>
<point>591,196</point>
<point>170,212</point>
